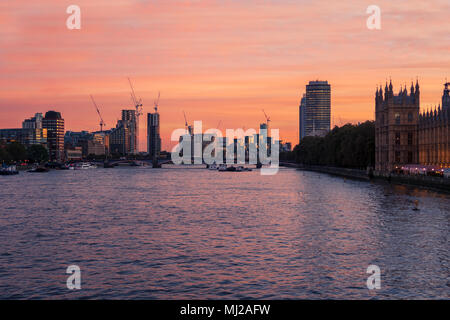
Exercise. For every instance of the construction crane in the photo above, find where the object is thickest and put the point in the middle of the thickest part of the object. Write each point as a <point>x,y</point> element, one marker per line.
<point>102,123</point>
<point>139,109</point>
<point>186,125</point>
<point>137,103</point>
<point>267,118</point>
<point>185,120</point>
<point>157,102</point>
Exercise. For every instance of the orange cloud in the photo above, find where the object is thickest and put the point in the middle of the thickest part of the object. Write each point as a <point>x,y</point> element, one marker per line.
<point>217,60</point>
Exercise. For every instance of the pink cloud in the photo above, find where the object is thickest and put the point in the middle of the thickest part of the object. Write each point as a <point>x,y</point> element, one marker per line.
<point>214,59</point>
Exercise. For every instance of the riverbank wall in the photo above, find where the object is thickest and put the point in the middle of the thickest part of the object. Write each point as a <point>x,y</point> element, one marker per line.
<point>437,183</point>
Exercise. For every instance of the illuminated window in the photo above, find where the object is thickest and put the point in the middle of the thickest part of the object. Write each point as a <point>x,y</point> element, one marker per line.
<point>397,118</point>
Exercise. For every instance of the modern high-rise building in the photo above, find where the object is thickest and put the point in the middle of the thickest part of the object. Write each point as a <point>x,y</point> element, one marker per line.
<point>264,137</point>
<point>54,124</point>
<point>315,109</point>
<point>32,132</point>
<point>153,136</point>
<point>34,126</point>
<point>129,119</point>
<point>301,116</point>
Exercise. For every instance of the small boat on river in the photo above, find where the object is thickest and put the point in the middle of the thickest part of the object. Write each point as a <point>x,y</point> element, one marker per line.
<point>8,170</point>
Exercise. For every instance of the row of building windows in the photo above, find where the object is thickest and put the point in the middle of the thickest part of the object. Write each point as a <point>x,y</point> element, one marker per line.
<point>398,157</point>
<point>398,141</point>
<point>397,118</point>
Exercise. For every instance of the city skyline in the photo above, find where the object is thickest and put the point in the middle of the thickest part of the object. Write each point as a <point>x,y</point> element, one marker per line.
<point>222,66</point>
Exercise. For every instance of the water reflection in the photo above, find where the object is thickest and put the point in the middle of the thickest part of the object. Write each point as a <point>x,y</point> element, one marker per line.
<point>168,234</point>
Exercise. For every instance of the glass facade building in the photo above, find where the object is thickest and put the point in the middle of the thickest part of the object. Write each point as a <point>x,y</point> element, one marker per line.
<point>315,109</point>
<point>54,124</point>
<point>37,133</point>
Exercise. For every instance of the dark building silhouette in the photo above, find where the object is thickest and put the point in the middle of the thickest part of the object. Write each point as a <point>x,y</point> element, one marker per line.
<point>153,136</point>
<point>129,120</point>
<point>119,138</point>
<point>302,118</point>
<point>54,124</point>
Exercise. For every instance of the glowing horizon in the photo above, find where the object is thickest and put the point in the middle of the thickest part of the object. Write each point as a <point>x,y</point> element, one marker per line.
<point>217,61</point>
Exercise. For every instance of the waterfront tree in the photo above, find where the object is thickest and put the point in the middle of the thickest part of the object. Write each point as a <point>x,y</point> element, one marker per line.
<point>5,157</point>
<point>37,153</point>
<point>16,151</point>
<point>349,146</point>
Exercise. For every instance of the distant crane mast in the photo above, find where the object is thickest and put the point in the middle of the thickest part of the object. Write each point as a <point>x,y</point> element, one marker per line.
<point>185,121</point>
<point>156,103</point>
<point>267,121</point>
<point>267,118</point>
<point>102,123</point>
<point>186,125</point>
<point>139,111</point>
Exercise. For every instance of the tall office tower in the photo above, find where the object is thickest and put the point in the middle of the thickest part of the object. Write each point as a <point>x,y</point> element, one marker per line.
<point>130,121</point>
<point>302,119</point>
<point>446,97</point>
<point>264,131</point>
<point>153,137</point>
<point>54,124</point>
<point>37,134</point>
<point>318,108</point>
<point>265,137</point>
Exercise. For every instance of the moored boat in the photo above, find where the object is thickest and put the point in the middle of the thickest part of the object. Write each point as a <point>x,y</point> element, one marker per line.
<point>7,171</point>
<point>39,169</point>
<point>83,166</point>
<point>213,166</point>
<point>224,167</point>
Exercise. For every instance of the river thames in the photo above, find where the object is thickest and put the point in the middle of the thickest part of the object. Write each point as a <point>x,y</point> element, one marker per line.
<point>142,233</point>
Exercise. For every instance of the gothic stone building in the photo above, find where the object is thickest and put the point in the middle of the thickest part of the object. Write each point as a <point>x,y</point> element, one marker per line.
<point>404,136</point>
<point>434,134</point>
<point>396,127</point>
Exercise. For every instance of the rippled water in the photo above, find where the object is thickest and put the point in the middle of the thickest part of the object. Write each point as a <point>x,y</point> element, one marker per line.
<point>193,233</point>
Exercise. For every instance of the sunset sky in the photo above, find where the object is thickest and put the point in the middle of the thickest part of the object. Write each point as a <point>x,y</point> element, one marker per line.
<point>216,60</point>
